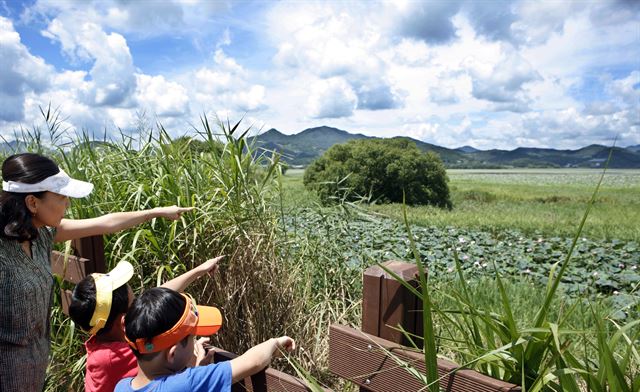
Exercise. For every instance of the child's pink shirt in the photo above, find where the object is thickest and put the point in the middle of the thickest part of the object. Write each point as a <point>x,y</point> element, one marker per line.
<point>108,363</point>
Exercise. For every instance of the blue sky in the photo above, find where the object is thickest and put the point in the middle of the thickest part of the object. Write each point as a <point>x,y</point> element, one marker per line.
<point>491,74</point>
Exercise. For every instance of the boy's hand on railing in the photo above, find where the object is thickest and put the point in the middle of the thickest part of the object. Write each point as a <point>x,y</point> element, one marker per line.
<point>258,357</point>
<point>201,356</point>
<point>284,344</point>
<point>210,266</point>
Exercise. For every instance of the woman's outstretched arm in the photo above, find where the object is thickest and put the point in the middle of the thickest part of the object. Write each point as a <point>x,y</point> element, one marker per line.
<point>70,229</point>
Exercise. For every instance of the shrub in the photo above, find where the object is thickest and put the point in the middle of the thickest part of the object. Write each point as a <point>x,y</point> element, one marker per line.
<point>380,169</point>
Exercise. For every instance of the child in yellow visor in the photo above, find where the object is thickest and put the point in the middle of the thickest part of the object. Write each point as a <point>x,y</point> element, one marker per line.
<point>161,326</point>
<point>98,306</point>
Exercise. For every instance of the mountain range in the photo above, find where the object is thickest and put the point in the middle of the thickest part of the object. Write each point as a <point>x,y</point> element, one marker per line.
<point>302,148</point>
<point>8,147</point>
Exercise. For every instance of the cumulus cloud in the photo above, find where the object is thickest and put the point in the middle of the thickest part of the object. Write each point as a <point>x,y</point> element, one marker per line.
<point>626,90</point>
<point>443,93</point>
<point>249,100</point>
<point>134,17</point>
<point>332,98</point>
<point>225,85</point>
<point>162,97</point>
<point>377,95</point>
<point>600,107</point>
<point>429,21</point>
<point>492,19</point>
<point>562,127</point>
<point>454,131</point>
<point>615,12</point>
<point>523,72</point>
<point>423,131</point>
<point>21,74</point>
<point>502,82</point>
<point>113,81</point>
<point>339,45</point>
<point>520,23</point>
<point>538,22</point>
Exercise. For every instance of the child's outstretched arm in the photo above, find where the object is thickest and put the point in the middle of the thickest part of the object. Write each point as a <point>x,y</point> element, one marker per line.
<point>181,282</point>
<point>258,357</point>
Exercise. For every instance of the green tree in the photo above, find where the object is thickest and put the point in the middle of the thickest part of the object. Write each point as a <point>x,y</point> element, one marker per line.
<point>200,146</point>
<point>380,169</point>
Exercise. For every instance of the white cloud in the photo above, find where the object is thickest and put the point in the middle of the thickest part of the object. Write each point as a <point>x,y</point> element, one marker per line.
<point>443,93</point>
<point>492,75</point>
<point>563,127</point>
<point>162,97</point>
<point>113,81</point>
<point>502,82</point>
<point>134,17</point>
<point>225,85</point>
<point>21,74</point>
<point>250,100</point>
<point>429,21</point>
<point>583,46</point>
<point>626,91</point>
<point>337,44</point>
<point>539,21</point>
<point>331,98</point>
<point>493,20</point>
<point>423,131</point>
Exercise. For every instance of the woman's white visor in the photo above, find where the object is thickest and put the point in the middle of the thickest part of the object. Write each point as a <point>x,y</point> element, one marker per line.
<point>60,183</point>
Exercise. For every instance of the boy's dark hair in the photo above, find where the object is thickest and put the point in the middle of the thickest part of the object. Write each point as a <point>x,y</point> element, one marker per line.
<point>83,304</point>
<point>155,311</point>
<point>15,217</point>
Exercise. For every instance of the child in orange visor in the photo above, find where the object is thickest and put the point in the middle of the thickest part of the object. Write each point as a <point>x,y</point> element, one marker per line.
<point>98,306</point>
<point>161,326</point>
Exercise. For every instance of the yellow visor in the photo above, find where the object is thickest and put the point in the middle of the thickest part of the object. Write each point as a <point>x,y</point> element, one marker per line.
<point>105,284</point>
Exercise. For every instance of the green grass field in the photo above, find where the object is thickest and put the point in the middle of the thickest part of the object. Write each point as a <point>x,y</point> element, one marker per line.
<point>534,201</point>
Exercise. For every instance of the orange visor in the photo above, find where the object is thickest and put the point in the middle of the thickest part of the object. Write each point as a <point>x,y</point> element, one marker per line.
<point>195,320</point>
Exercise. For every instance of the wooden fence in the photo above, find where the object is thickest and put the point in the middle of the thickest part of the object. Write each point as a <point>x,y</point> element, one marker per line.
<point>360,356</point>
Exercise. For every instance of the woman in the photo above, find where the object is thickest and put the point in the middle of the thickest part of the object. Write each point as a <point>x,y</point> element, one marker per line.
<point>35,195</point>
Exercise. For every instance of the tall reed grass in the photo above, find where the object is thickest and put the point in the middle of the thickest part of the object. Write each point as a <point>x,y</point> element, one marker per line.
<point>263,286</point>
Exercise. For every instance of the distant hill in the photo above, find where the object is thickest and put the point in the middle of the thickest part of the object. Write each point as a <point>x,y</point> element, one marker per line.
<point>8,147</point>
<point>467,149</point>
<point>591,156</point>
<point>302,148</point>
<point>635,148</point>
<point>449,157</point>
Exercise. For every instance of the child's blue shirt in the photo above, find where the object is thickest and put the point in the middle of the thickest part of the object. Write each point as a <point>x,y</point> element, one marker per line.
<point>215,377</point>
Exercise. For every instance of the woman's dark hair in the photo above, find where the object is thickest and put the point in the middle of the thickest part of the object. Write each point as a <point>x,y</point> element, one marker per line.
<point>15,217</point>
<point>83,304</point>
<point>155,311</point>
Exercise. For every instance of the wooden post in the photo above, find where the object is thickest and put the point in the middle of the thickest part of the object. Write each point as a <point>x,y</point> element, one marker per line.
<point>91,248</point>
<point>386,303</point>
<point>88,258</point>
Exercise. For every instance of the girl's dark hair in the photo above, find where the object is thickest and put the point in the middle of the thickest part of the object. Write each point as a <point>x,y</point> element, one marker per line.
<point>155,311</point>
<point>15,217</point>
<point>83,304</point>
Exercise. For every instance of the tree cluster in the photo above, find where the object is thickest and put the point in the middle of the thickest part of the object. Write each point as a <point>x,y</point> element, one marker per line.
<point>380,170</point>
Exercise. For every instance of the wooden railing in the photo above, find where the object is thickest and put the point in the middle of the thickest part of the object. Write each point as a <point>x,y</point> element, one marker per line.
<point>87,258</point>
<point>375,357</point>
<point>360,356</point>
